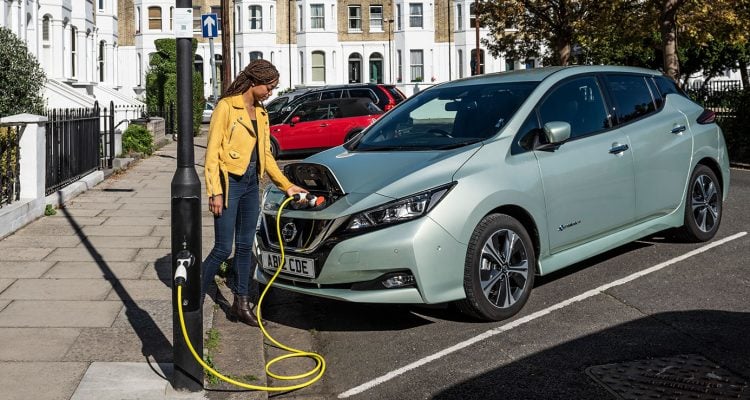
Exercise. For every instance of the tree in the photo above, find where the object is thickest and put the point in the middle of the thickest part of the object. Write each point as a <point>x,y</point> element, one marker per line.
<point>21,77</point>
<point>522,29</point>
<point>161,81</point>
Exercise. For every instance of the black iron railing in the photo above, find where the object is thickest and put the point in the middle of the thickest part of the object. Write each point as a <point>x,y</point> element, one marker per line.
<point>73,146</point>
<point>167,112</point>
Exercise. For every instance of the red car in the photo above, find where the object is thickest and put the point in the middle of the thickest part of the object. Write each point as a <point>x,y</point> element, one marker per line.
<point>319,125</point>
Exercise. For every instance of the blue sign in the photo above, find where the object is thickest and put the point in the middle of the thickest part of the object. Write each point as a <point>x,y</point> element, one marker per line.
<point>209,25</point>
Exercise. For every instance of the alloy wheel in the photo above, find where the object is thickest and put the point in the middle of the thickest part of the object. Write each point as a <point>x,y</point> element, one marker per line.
<point>504,268</point>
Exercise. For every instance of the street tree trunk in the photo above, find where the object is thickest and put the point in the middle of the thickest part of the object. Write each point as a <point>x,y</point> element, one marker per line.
<point>743,74</point>
<point>563,51</point>
<point>668,29</point>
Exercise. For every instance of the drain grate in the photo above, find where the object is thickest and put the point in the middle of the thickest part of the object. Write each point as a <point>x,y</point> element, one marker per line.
<point>688,376</point>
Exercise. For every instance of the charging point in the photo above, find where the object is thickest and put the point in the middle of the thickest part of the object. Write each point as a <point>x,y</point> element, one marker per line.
<point>186,224</point>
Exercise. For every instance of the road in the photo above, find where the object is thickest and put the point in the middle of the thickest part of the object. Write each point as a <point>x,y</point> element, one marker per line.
<point>691,301</point>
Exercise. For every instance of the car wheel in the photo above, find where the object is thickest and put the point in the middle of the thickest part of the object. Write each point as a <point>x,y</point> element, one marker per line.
<point>499,269</point>
<point>703,206</point>
<point>274,149</point>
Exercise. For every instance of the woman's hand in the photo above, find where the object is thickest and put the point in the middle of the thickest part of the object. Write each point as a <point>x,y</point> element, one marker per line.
<point>294,189</point>
<point>216,204</point>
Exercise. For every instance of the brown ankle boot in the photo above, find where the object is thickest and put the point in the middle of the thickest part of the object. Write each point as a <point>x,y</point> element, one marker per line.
<point>241,311</point>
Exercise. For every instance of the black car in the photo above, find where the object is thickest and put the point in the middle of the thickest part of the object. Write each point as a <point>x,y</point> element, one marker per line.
<point>384,96</point>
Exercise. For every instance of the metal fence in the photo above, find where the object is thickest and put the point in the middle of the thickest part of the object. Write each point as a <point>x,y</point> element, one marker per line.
<point>719,96</point>
<point>168,113</point>
<point>10,182</point>
<point>73,145</point>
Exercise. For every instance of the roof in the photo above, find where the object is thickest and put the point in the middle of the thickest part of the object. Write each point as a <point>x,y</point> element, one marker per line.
<point>540,74</point>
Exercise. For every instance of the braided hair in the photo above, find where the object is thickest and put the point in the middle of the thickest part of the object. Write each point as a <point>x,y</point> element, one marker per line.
<point>257,72</point>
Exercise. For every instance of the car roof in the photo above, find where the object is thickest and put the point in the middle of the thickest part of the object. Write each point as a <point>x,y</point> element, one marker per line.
<point>540,74</point>
<point>343,100</point>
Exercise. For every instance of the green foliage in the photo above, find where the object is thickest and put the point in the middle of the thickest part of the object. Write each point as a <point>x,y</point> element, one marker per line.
<point>21,77</point>
<point>161,82</point>
<point>137,139</point>
<point>49,210</point>
<point>735,129</point>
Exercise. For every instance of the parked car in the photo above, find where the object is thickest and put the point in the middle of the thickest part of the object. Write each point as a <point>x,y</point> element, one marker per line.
<point>384,96</point>
<point>282,100</point>
<point>469,189</point>
<point>322,124</point>
<point>208,110</point>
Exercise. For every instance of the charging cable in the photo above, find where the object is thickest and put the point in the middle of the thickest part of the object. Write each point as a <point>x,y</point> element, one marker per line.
<point>320,362</point>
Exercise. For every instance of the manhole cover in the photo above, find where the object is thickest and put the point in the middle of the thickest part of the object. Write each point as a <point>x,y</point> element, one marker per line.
<point>681,377</point>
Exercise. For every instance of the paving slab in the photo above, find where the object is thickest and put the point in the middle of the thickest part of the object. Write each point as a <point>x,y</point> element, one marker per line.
<point>135,213</point>
<point>3,304</point>
<point>116,381</point>
<point>40,380</point>
<point>81,212</point>
<point>144,242</point>
<point>161,270</point>
<point>121,344</point>
<point>62,219</point>
<point>57,289</point>
<point>165,206</point>
<point>153,255</point>
<point>97,254</point>
<point>130,231</point>
<point>24,269</point>
<point>163,199</point>
<point>76,205</point>
<point>136,221</point>
<point>4,283</point>
<point>36,344</point>
<point>24,253</point>
<point>141,290</point>
<point>90,269</point>
<point>30,241</point>
<point>59,314</point>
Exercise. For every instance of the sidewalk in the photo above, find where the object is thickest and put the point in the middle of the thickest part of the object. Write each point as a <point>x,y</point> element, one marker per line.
<point>85,297</point>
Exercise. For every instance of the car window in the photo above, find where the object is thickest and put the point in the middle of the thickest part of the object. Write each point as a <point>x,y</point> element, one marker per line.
<point>366,93</point>
<point>631,95</point>
<point>442,118</point>
<point>667,86</point>
<point>331,94</point>
<point>577,102</point>
<point>311,111</point>
<point>397,95</point>
<point>277,104</point>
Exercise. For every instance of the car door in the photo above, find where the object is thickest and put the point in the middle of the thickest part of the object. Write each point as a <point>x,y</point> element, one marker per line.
<point>588,180</point>
<point>660,141</point>
<point>307,133</point>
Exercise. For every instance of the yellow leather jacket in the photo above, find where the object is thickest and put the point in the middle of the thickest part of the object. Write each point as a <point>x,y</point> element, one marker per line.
<point>231,140</point>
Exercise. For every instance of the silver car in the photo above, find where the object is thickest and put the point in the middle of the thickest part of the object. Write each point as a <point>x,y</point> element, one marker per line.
<point>468,190</point>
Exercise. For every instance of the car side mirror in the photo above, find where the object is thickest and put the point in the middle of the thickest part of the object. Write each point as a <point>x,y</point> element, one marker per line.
<point>557,132</point>
<point>294,120</point>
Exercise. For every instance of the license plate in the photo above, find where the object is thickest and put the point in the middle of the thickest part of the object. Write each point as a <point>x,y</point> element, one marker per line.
<point>292,265</point>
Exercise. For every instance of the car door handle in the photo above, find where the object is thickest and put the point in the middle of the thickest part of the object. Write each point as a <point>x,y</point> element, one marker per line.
<point>323,125</point>
<point>618,148</point>
<point>678,129</point>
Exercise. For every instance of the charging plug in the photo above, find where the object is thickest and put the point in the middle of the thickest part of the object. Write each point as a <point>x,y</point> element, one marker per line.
<point>184,261</point>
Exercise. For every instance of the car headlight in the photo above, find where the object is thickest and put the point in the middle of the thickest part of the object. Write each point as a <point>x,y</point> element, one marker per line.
<point>402,210</point>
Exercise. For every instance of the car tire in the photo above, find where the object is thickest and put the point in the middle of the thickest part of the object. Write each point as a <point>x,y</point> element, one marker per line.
<point>500,257</point>
<point>703,206</point>
<point>274,149</point>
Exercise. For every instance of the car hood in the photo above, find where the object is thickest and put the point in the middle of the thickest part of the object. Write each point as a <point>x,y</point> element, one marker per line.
<point>392,174</point>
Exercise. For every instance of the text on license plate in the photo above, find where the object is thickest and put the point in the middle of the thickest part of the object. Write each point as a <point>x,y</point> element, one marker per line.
<point>292,265</point>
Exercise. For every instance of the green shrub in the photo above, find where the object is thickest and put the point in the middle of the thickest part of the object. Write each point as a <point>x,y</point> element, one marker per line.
<point>137,139</point>
<point>21,77</point>
<point>735,129</point>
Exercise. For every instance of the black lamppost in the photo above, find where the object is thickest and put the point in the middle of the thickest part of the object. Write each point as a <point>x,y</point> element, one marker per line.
<point>449,39</point>
<point>390,53</point>
<point>289,39</point>
<point>476,25</point>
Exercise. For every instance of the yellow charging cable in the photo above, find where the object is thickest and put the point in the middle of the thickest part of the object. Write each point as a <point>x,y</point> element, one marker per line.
<point>320,362</point>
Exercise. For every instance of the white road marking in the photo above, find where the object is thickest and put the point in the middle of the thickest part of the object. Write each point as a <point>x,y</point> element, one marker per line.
<point>503,328</point>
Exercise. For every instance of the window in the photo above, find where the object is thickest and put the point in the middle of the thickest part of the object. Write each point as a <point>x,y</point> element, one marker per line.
<point>473,61</point>
<point>301,67</point>
<point>376,18</point>
<point>415,15</point>
<point>355,18</point>
<point>197,19</point>
<point>318,66</point>
<point>154,18</point>
<point>510,65</point>
<point>139,69</point>
<point>137,20</point>
<point>100,60</point>
<point>579,103</point>
<point>299,19</point>
<point>171,18</point>
<point>529,64</point>
<point>256,55</point>
<point>256,17</point>
<point>398,16</point>
<point>317,16</point>
<point>355,68</point>
<point>217,10</point>
<point>101,5</point>
<point>331,94</point>
<point>45,29</point>
<point>73,49</point>
<point>459,17</point>
<point>400,66</point>
<point>416,60</point>
<point>460,59</point>
<point>667,86</point>
<point>632,96</point>
<point>365,93</point>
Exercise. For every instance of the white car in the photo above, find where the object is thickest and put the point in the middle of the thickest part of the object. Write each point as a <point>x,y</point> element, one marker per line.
<point>208,110</point>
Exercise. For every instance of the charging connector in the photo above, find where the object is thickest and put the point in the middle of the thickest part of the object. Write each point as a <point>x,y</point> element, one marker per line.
<point>185,260</point>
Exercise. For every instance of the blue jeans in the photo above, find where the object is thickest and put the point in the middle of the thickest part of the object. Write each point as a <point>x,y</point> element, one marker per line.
<point>237,222</point>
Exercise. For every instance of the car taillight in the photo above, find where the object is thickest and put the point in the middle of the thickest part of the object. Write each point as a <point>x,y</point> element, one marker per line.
<point>707,117</point>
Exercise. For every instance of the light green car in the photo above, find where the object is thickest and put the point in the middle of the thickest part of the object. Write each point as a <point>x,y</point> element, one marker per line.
<point>467,190</point>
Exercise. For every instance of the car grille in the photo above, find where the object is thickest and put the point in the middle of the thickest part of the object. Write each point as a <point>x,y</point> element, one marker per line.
<point>302,236</point>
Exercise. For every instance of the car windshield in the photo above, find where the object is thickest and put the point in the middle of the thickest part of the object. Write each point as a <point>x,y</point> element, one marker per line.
<point>446,117</point>
<point>277,104</point>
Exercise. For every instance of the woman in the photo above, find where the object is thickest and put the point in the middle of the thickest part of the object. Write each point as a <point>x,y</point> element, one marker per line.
<point>238,153</point>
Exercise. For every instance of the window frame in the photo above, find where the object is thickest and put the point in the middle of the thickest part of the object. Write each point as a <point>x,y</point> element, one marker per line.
<point>255,20</point>
<point>416,67</point>
<point>216,10</point>
<point>374,27</point>
<point>413,18</point>
<point>357,18</point>
<point>603,93</point>
<point>615,106</point>
<point>317,19</point>
<point>317,68</point>
<point>153,19</point>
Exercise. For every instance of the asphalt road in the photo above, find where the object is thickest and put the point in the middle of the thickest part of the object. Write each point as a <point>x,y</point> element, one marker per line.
<point>695,305</point>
